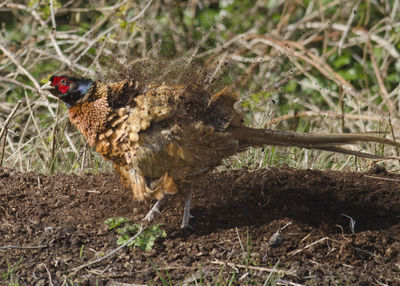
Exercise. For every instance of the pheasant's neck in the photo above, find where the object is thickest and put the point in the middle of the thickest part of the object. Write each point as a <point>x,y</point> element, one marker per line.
<point>90,117</point>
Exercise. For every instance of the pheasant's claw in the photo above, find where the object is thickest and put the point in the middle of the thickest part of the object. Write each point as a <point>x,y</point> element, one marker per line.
<point>187,226</point>
<point>185,222</point>
<point>150,215</point>
<point>186,212</point>
<point>155,209</point>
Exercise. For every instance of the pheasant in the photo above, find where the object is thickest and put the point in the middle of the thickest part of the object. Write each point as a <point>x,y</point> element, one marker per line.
<point>158,135</point>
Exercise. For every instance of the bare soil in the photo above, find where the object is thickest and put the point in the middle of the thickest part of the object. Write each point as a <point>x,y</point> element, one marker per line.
<point>236,214</point>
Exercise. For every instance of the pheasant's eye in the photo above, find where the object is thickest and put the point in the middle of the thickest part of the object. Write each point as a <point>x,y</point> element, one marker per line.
<point>63,81</point>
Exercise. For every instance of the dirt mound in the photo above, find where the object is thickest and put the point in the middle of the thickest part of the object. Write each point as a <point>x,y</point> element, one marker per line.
<point>236,213</point>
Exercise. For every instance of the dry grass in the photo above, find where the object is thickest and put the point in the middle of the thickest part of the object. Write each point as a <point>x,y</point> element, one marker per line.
<point>312,66</point>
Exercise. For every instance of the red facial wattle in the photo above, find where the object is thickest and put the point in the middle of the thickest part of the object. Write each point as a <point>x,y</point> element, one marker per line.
<point>63,88</point>
<point>61,83</point>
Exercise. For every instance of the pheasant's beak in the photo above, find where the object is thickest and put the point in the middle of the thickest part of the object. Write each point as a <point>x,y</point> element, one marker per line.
<point>47,86</point>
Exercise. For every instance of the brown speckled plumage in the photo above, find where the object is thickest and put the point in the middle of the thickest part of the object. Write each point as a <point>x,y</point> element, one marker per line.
<point>90,118</point>
<point>159,134</point>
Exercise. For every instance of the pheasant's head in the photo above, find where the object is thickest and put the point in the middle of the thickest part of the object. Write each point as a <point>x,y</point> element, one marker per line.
<point>69,89</point>
<point>87,102</point>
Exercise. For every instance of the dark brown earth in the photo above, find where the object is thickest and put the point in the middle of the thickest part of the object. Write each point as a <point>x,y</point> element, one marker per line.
<point>235,215</point>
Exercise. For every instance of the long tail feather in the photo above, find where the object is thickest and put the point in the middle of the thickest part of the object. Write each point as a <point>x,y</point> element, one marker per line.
<point>356,153</point>
<point>329,142</point>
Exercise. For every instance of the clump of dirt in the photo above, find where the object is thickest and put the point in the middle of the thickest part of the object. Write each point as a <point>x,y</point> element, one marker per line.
<point>245,223</point>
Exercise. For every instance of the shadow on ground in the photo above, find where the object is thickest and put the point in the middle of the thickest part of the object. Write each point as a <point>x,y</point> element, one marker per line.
<point>235,215</point>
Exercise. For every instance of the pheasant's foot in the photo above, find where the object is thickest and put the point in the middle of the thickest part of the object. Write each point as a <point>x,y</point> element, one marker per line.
<point>186,212</point>
<point>155,209</point>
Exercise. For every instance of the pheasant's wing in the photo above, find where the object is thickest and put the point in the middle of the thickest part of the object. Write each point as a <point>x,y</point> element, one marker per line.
<point>128,142</point>
<point>136,115</point>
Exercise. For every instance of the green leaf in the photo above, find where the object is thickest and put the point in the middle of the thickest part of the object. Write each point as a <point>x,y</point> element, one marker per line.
<point>291,86</point>
<point>342,60</point>
<point>116,222</point>
<point>145,241</point>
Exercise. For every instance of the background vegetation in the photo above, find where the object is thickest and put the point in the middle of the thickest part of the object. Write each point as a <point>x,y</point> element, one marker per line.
<point>304,65</point>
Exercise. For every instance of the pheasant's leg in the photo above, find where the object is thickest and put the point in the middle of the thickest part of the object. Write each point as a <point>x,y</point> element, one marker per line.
<point>155,209</point>
<point>186,211</point>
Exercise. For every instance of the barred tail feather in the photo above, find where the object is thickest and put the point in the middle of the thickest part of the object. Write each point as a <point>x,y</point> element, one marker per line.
<point>329,142</point>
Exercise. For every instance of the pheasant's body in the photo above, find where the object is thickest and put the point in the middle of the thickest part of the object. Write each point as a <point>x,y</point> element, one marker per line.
<point>160,134</point>
<point>148,141</point>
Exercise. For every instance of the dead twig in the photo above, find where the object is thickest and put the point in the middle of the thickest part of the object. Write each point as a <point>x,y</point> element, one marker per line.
<point>361,34</point>
<point>111,253</point>
<point>49,274</point>
<point>258,268</point>
<point>384,92</point>
<point>4,129</point>
<point>20,67</point>
<point>348,26</point>
<point>308,246</point>
<point>54,141</point>
<point>23,247</point>
<point>141,12</point>
<point>380,178</point>
<point>285,282</point>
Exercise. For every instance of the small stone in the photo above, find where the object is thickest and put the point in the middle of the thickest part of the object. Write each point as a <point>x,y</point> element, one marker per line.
<point>275,240</point>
